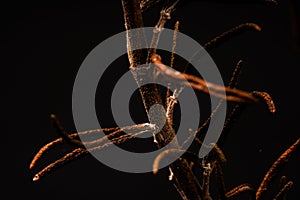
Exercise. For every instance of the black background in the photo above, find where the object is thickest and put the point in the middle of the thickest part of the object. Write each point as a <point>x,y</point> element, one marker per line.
<point>44,45</point>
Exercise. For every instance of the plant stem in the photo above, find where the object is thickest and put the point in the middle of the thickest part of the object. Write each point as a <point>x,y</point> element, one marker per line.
<point>184,179</point>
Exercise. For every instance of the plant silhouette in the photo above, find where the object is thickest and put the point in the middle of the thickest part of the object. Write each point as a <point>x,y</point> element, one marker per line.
<point>184,172</point>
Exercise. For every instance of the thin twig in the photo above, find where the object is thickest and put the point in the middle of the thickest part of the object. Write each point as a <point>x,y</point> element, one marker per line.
<point>220,180</point>
<point>215,148</point>
<point>239,108</point>
<point>277,165</point>
<point>232,83</point>
<point>81,152</point>
<point>176,29</point>
<point>281,194</point>
<point>115,133</point>
<point>202,85</point>
<point>171,101</point>
<point>226,36</point>
<point>146,4</point>
<point>67,158</point>
<point>207,121</point>
<point>230,121</point>
<point>231,33</point>
<point>60,129</point>
<point>165,15</point>
<point>172,55</point>
<point>43,150</point>
<point>206,180</point>
<point>127,129</point>
<point>235,75</point>
<point>239,189</point>
<point>173,153</point>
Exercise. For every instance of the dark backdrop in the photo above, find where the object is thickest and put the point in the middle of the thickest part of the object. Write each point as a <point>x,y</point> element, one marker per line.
<point>43,46</point>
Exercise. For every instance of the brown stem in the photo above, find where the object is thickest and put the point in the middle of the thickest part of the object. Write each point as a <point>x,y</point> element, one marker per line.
<point>200,84</point>
<point>220,180</point>
<point>277,165</point>
<point>281,194</point>
<point>185,179</point>
<point>60,129</point>
<point>239,189</point>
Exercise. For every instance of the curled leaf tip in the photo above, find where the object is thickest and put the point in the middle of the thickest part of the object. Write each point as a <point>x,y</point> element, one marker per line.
<point>254,26</point>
